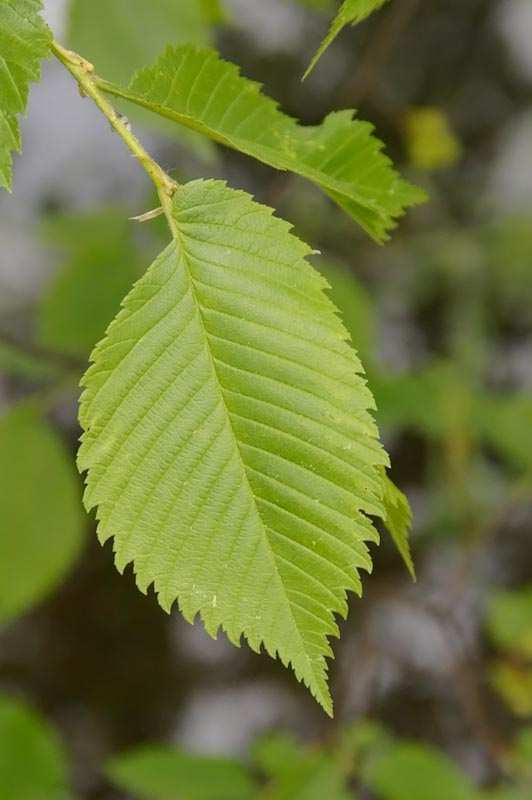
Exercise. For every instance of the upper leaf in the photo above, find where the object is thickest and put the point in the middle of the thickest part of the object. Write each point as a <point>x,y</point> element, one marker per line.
<point>24,42</point>
<point>194,87</point>
<point>39,540</point>
<point>351,11</point>
<point>228,442</point>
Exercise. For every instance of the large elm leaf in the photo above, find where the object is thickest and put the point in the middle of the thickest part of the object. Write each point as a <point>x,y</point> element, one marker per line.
<point>194,87</point>
<point>228,443</point>
<point>350,12</point>
<point>24,42</point>
<point>39,540</point>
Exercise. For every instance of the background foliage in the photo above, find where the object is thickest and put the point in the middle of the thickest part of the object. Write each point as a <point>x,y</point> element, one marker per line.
<point>442,318</point>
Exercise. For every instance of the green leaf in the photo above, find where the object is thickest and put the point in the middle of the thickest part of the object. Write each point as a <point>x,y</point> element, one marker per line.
<point>506,423</point>
<point>350,12</point>
<point>85,295</point>
<point>195,88</point>
<point>298,773</point>
<point>277,753</point>
<point>355,306</point>
<point>227,437</point>
<point>398,521</point>
<point>318,777</point>
<point>214,11</point>
<point>39,540</point>
<point>509,620</point>
<point>431,141</point>
<point>435,401</point>
<point>24,42</point>
<point>32,761</point>
<point>410,771</point>
<point>164,773</point>
<point>513,681</point>
<point>14,361</point>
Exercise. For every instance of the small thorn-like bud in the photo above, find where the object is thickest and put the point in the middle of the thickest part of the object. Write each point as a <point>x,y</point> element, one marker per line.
<point>148,215</point>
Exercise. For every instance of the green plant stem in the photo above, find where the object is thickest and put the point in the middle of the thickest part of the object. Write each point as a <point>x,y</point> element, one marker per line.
<point>83,71</point>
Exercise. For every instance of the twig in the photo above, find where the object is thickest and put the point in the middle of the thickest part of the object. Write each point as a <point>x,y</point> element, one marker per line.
<point>83,71</point>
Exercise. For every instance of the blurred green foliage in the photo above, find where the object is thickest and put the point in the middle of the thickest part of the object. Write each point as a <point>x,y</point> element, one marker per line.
<point>33,765</point>
<point>430,141</point>
<point>101,263</point>
<point>509,623</point>
<point>40,516</point>
<point>362,757</point>
<point>164,773</point>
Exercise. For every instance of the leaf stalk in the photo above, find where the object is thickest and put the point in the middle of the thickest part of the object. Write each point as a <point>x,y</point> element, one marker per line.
<point>88,82</point>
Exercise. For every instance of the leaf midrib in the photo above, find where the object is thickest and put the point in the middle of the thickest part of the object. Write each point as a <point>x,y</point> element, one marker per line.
<point>181,250</point>
<point>274,157</point>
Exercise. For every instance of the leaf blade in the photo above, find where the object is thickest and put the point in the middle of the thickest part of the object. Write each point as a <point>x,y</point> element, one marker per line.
<point>197,89</point>
<point>24,43</point>
<point>226,420</point>
<point>350,12</point>
<point>398,521</point>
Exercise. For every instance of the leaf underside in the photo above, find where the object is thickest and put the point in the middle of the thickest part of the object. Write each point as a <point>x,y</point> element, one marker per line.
<point>228,443</point>
<point>24,42</point>
<point>195,88</point>
<point>350,12</point>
